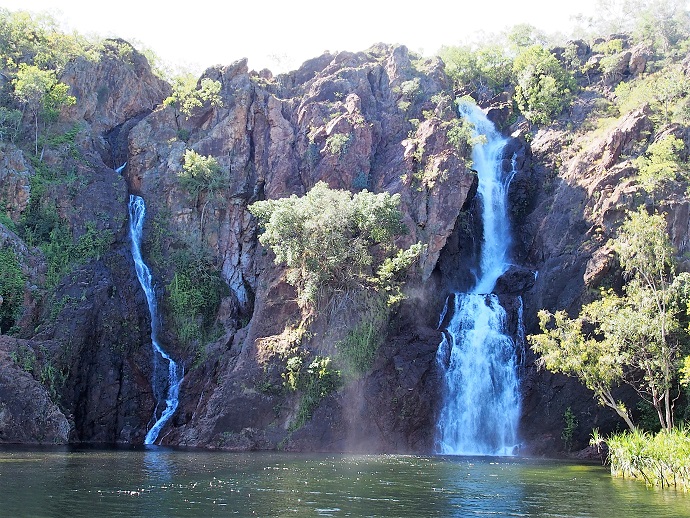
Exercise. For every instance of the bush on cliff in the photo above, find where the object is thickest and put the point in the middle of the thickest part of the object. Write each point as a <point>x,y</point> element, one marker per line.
<point>11,289</point>
<point>543,87</point>
<point>341,256</point>
<point>332,241</point>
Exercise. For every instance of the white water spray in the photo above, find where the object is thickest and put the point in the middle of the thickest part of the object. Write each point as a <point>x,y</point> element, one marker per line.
<point>481,404</point>
<point>137,212</point>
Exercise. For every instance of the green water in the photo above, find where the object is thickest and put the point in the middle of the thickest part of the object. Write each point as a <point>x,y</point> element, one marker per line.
<point>159,482</point>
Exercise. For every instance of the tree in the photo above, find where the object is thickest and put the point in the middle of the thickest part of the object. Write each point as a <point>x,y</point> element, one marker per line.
<point>656,292</point>
<point>564,347</point>
<point>333,241</point>
<point>9,122</point>
<point>486,70</point>
<point>188,95</point>
<point>661,23</point>
<point>665,92</point>
<point>636,338</point>
<point>544,88</point>
<point>35,38</point>
<point>40,92</point>
<point>202,174</point>
<point>524,35</point>
<point>660,164</point>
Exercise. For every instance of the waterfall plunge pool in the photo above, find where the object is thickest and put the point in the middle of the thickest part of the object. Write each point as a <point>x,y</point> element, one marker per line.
<point>156,482</point>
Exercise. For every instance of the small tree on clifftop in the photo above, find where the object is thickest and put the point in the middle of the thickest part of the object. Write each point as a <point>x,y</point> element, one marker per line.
<point>544,88</point>
<point>40,92</point>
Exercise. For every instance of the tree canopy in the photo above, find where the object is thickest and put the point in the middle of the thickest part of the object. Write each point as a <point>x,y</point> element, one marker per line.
<point>543,87</point>
<point>639,337</point>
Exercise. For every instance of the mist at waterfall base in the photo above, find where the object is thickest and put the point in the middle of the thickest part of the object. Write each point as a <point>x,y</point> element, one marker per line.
<point>167,374</point>
<point>481,405</point>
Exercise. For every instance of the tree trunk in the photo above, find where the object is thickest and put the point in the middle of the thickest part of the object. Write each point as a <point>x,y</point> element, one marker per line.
<point>610,402</point>
<point>36,133</point>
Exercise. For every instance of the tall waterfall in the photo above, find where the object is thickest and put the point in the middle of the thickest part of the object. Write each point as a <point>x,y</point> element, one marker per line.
<point>481,403</point>
<point>163,382</point>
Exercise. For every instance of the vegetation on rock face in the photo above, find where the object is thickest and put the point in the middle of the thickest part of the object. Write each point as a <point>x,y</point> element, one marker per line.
<point>202,175</point>
<point>636,338</point>
<point>188,95</point>
<point>340,254</point>
<point>334,242</point>
<point>194,287</point>
<point>40,92</point>
<point>11,289</point>
<point>315,381</point>
<point>193,295</point>
<point>543,87</point>
<point>660,164</point>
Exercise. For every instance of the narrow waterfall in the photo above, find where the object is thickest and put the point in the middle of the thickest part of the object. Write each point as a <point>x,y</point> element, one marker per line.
<point>481,405</point>
<point>166,385</point>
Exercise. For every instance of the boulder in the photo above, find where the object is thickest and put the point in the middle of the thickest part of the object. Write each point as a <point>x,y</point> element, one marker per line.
<point>515,280</point>
<point>28,415</point>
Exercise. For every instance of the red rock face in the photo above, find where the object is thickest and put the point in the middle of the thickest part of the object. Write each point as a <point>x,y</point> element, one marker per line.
<point>343,119</point>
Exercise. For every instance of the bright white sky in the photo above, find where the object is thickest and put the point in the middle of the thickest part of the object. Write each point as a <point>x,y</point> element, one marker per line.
<point>198,34</point>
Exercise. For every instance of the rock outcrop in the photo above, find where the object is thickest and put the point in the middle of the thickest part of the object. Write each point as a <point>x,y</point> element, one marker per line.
<point>87,330</point>
<point>28,414</point>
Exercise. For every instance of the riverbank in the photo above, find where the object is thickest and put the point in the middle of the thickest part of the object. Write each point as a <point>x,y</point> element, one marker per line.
<point>660,460</point>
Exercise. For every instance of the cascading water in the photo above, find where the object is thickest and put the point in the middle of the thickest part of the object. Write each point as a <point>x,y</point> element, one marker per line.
<point>173,377</point>
<point>481,403</point>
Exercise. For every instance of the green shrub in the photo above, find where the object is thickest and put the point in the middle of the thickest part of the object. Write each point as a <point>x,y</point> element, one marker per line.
<point>665,92</point>
<point>569,427</point>
<point>201,174</point>
<point>24,357</point>
<point>660,164</point>
<point>337,143</point>
<point>609,47</point>
<point>544,88</point>
<point>358,349</point>
<point>327,238</point>
<point>361,181</point>
<point>62,253</point>
<point>316,382</point>
<point>193,295</point>
<point>12,283</point>
<point>188,95</point>
<point>487,68</point>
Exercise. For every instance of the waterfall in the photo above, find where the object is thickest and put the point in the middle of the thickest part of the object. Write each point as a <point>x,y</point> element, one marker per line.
<point>481,405</point>
<point>173,377</point>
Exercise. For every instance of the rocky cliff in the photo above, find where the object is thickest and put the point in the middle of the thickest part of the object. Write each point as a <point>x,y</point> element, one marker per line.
<point>376,120</point>
<point>271,136</point>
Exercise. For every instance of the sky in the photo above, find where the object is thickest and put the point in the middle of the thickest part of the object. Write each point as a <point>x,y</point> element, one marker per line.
<point>281,34</point>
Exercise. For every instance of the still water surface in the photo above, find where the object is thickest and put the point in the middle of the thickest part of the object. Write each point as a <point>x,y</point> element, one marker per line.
<point>157,482</point>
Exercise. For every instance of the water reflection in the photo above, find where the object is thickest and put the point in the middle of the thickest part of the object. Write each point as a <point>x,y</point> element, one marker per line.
<point>158,465</point>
